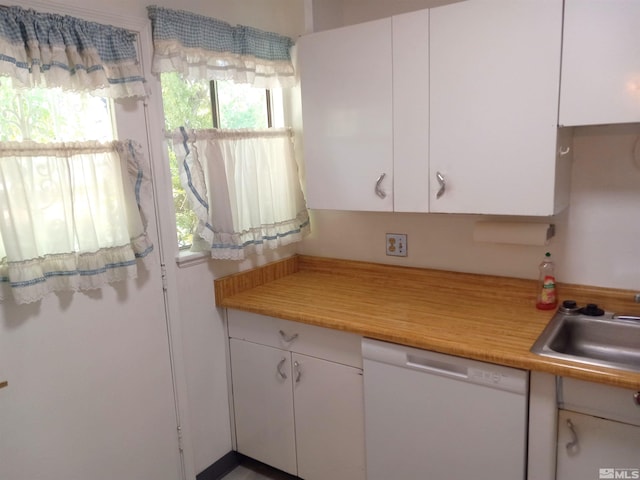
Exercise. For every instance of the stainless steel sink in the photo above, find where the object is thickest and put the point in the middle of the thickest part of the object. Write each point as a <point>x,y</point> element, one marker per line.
<point>607,340</point>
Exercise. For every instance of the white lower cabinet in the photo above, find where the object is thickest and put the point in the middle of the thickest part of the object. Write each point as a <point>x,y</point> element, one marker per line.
<point>594,447</point>
<point>598,432</point>
<point>328,403</point>
<point>263,404</point>
<point>297,397</point>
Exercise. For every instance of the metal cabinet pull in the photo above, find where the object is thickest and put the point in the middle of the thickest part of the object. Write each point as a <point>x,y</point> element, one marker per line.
<point>282,375</point>
<point>442,183</point>
<point>636,397</point>
<point>296,367</point>
<point>564,151</point>
<point>573,445</point>
<point>287,338</point>
<point>381,193</point>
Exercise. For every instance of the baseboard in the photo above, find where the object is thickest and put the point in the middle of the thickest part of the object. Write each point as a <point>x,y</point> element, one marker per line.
<point>221,467</point>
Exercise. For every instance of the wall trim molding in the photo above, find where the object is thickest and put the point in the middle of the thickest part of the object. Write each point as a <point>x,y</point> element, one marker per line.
<point>220,467</point>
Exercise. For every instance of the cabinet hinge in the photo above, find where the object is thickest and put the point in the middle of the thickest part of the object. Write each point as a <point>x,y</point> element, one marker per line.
<point>163,273</point>
<point>180,443</point>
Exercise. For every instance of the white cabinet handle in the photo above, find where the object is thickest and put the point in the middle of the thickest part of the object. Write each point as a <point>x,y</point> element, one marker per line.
<point>296,368</point>
<point>281,374</point>
<point>442,183</point>
<point>287,338</point>
<point>381,193</point>
<point>573,445</point>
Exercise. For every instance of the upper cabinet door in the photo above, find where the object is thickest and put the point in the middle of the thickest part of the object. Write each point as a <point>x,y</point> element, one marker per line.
<point>346,84</point>
<point>495,73</point>
<point>600,62</point>
<point>411,112</point>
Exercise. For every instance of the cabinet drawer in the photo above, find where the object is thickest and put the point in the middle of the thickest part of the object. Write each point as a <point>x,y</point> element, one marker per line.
<point>600,400</point>
<point>319,342</point>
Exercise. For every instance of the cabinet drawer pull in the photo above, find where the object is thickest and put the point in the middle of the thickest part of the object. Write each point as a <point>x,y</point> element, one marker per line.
<point>4,384</point>
<point>573,445</point>
<point>636,397</point>
<point>296,367</point>
<point>281,373</point>
<point>379,192</point>
<point>442,183</point>
<point>287,338</point>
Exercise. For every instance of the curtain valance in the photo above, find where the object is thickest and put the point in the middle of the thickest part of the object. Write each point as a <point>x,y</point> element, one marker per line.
<point>50,50</point>
<point>71,216</point>
<point>204,48</point>
<point>244,188</point>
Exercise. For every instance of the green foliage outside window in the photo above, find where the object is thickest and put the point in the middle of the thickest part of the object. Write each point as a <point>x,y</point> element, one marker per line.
<point>52,115</point>
<point>186,103</point>
<point>241,106</point>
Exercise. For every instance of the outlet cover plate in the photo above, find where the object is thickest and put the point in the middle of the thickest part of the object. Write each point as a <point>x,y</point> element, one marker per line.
<point>397,244</point>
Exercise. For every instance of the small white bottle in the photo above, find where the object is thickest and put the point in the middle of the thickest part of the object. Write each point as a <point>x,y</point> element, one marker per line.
<point>547,298</point>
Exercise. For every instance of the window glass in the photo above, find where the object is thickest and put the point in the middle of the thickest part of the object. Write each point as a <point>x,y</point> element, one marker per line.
<point>186,103</point>
<point>241,106</point>
<point>53,115</point>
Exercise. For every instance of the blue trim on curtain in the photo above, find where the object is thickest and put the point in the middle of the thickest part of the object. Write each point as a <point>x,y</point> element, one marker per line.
<point>264,238</point>
<point>71,273</point>
<point>187,170</point>
<point>34,31</point>
<point>206,33</point>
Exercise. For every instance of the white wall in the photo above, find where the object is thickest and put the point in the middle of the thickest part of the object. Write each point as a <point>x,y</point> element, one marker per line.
<point>596,241</point>
<point>329,14</point>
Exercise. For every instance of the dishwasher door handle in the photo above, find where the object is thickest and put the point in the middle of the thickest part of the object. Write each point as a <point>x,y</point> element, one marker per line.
<point>436,366</point>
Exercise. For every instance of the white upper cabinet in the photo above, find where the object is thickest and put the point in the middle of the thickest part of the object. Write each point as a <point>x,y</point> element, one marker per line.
<point>365,106</point>
<point>411,112</point>
<point>452,109</point>
<point>600,62</point>
<point>495,73</point>
<point>346,83</point>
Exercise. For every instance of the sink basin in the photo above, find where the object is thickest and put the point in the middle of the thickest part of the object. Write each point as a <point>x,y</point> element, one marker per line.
<point>604,340</point>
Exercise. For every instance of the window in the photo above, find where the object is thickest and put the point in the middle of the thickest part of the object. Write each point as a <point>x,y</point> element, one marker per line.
<point>69,221</point>
<point>206,104</point>
<point>53,115</point>
<point>70,194</point>
<point>242,180</point>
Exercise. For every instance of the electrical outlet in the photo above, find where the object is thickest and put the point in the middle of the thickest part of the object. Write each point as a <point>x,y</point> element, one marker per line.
<point>397,244</point>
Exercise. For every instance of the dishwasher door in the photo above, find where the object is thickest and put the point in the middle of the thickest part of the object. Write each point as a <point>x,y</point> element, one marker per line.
<point>438,417</point>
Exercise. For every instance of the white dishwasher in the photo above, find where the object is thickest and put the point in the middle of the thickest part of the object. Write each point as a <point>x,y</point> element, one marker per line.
<point>437,417</point>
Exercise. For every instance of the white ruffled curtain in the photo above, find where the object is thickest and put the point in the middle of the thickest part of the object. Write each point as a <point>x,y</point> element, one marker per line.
<point>70,216</point>
<point>50,50</point>
<point>244,187</point>
<point>204,48</point>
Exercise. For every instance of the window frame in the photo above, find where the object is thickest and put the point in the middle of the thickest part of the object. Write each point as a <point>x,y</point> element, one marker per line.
<point>215,104</point>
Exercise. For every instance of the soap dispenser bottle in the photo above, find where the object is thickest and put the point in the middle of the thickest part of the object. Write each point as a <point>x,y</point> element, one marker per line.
<point>547,298</point>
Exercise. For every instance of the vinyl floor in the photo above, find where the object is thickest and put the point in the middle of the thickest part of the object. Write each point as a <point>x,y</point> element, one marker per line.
<point>251,470</point>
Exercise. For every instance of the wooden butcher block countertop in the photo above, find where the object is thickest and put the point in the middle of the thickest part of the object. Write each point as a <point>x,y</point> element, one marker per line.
<point>482,317</point>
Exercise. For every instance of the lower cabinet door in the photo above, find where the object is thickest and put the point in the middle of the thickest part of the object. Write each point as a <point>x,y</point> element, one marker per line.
<point>263,402</point>
<point>595,448</point>
<point>329,419</point>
